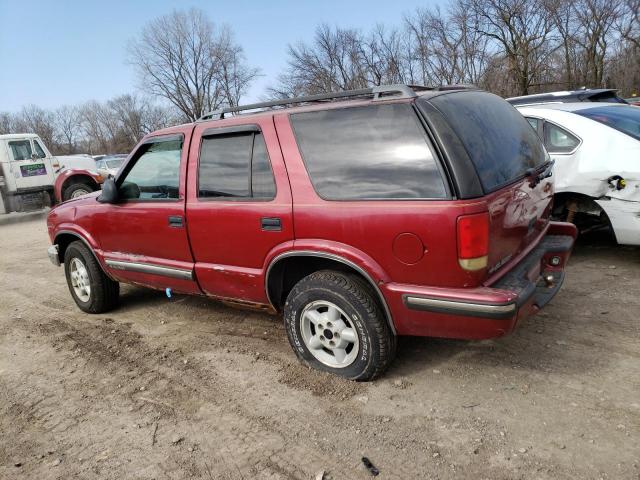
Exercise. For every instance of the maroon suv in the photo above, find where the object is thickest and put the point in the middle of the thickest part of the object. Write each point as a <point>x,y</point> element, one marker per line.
<point>360,215</point>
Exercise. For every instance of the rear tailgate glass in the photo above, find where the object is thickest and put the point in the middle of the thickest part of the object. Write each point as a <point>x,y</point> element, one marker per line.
<point>502,146</point>
<point>500,142</point>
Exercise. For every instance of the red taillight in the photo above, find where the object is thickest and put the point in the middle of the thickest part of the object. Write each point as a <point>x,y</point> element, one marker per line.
<point>473,241</point>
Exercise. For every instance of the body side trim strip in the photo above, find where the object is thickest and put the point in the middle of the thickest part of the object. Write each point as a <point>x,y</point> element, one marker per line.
<point>150,269</point>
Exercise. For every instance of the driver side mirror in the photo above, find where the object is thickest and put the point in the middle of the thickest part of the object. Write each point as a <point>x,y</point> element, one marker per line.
<point>109,191</point>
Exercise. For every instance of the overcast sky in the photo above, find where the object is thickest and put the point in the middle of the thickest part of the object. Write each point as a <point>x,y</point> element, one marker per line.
<point>67,52</point>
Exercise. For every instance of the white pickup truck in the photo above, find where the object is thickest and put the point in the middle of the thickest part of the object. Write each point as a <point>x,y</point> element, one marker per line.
<point>27,173</point>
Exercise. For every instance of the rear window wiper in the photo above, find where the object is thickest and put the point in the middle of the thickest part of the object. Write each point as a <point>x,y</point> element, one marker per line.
<point>538,174</point>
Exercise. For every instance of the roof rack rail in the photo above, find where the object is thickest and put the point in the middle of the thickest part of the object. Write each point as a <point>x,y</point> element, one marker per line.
<point>381,92</point>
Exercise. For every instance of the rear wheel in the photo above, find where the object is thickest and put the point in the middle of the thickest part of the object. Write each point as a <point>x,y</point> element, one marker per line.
<point>90,288</point>
<point>334,324</point>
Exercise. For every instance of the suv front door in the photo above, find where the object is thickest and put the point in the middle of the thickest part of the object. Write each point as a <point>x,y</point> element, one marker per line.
<point>143,236</point>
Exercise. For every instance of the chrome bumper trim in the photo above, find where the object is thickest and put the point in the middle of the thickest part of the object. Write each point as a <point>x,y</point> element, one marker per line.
<point>460,308</point>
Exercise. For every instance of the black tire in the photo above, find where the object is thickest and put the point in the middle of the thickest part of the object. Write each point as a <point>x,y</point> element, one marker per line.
<point>377,343</point>
<point>104,292</point>
<point>75,188</point>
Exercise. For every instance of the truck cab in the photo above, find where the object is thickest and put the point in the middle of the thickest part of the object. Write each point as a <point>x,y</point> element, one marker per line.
<point>26,173</point>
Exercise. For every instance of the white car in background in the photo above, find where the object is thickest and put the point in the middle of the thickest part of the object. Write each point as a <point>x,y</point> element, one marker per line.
<point>110,164</point>
<point>596,148</point>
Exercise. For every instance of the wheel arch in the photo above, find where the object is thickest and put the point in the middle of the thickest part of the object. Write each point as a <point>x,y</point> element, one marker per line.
<point>79,178</point>
<point>583,203</point>
<point>286,269</point>
<point>64,238</point>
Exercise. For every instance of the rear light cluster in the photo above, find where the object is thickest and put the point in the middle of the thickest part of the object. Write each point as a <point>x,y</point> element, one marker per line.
<point>473,241</point>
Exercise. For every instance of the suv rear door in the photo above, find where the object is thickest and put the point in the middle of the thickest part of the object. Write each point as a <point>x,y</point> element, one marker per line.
<point>368,187</point>
<point>238,205</point>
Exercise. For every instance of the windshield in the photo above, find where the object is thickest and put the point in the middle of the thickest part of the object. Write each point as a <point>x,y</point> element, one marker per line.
<point>115,163</point>
<point>625,119</point>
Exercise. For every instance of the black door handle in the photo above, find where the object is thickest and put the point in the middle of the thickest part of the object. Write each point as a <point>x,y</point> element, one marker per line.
<point>271,224</point>
<point>175,221</point>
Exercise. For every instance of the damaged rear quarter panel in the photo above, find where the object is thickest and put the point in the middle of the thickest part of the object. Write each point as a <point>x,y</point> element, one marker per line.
<point>603,153</point>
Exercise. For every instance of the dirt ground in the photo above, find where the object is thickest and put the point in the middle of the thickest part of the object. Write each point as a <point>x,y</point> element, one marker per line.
<point>189,388</point>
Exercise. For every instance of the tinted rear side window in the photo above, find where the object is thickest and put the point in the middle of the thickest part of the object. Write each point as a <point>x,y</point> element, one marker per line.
<point>235,165</point>
<point>559,140</point>
<point>501,143</point>
<point>624,119</point>
<point>372,152</point>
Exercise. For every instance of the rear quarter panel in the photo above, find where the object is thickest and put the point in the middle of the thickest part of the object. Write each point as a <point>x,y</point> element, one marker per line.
<point>375,231</point>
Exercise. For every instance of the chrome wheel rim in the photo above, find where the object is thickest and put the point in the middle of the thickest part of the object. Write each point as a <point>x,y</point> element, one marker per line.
<point>328,334</point>
<point>80,279</point>
<point>79,193</point>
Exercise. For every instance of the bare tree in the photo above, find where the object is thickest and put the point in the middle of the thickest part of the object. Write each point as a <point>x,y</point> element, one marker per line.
<point>100,126</point>
<point>6,122</point>
<point>447,47</point>
<point>383,57</point>
<point>628,22</point>
<point>332,62</point>
<point>625,64</point>
<point>136,116</point>
<point>67,125</point>
<point>184,58</point>
<point>345,59</point>
<point>33,119</point>
<point>596,20</point>
<point>522,30</point>
<point>563,18</point>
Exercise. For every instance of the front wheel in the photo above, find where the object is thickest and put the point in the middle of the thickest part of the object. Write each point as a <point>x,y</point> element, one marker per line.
<point>76,190</point>
<point>335,324</point>
<point>90,288</point>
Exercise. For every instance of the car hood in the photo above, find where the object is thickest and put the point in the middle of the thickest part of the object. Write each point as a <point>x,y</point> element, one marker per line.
<point>89,198</point>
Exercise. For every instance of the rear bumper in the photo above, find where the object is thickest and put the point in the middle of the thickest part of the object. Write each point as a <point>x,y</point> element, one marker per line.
<point>624,216</point>
<point>491,311</point>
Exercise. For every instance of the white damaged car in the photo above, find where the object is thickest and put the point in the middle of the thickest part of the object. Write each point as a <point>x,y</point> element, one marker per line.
<point>596,148</point>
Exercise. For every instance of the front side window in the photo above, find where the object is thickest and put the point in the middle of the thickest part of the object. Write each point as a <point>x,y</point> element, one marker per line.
<point>235,165</point>
<point>21,149</point>
<point>38,148</point>
<point>155,174</point>
<point>372,152</point>
<point>558,140</point>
